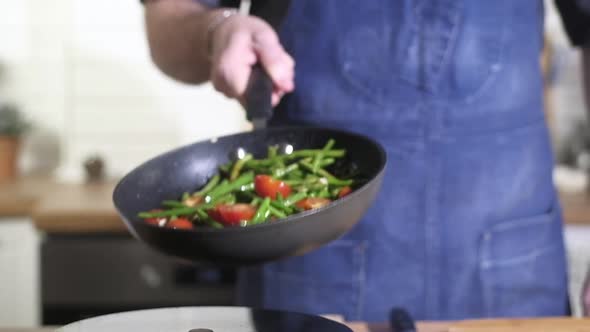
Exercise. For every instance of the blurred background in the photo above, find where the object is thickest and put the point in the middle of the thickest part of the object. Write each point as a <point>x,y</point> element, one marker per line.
<point>82,104</point>
<point>81,72</point>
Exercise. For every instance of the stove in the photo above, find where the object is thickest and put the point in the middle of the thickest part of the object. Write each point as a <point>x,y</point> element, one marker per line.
<point>206,319</point>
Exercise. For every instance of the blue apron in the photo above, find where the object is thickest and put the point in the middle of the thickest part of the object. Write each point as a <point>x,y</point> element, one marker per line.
<point>467,223</point>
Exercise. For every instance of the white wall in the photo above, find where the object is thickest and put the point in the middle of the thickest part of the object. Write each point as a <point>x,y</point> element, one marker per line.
<point>567,86</point>
<point>81,70</point>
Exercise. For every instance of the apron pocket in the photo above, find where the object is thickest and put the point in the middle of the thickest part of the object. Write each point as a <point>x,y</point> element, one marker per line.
<point>326,281</point>
<point>522,267</point>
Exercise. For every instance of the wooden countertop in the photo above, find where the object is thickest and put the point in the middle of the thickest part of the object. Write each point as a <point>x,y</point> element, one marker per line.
<point>65,208</point>
<point>499,325</point>
<point>62,207</point>
<point>576,208</point>
<point>492,325</point>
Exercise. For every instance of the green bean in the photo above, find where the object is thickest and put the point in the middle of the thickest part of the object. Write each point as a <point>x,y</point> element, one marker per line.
<point>257,168</point>
<point>204,218</point>
<point>294,182</point>
<point>213,223</point>
<point>320,155</point>
<point>331,178</point>
<point>280,172</point>
<point>235,172</point>
<point>218,188</point>
<point>294,199</point>
<point>305,171</point>
<point>280,198</point>
<point>281,207</point>
<point>324,193</point>
<point>327,162</point>
<point>202,214</point>
<point>173,204</point>
<point>272,151</point>
<point>309,180</point>
<point>226,187</point>
<point>336,191</point>
<point>210,185</point>
<point>312,153</point>
<point>228,198</point>
<point>296,174</point>
<point>279,204</point>
<point>262,212</point>
<point>276,212</point>
<point>247,187</point>
<point>168,213</point>
<point>296,154</point>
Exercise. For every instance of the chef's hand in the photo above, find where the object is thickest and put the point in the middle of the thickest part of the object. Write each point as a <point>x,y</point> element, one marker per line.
<point>240,42</point>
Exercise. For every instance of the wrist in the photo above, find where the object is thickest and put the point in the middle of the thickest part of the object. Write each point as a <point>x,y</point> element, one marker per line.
<point>216,19</point>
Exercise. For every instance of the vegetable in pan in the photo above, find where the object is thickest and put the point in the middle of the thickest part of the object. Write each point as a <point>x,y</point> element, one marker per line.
<point>253,191</point>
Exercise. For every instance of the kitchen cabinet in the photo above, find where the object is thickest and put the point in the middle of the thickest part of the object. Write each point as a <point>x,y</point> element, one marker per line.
<point>19,272</point>
<point>85,275</point>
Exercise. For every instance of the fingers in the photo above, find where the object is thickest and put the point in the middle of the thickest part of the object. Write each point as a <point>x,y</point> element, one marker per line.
<point>240,44</point>
<point>277,95</point>
<point>278,64</point>
<point>231,69</point>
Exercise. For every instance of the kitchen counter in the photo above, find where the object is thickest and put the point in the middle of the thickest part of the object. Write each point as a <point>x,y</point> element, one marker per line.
<point>496,325</point>
<point>576,208</point>
<point>66,208</point>
<point>500,325</point>
<point>62,207</point>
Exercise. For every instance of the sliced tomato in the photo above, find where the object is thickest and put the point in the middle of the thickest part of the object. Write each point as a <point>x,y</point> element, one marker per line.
<point>344,191</point>
<point>232,214</point>
<point>180,223</point>
<point>311,203</point>
<point>267,186</point>
<point>160,221</point>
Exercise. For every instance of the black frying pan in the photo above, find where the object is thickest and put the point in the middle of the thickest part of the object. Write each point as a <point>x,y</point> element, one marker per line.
<point>188,168</point>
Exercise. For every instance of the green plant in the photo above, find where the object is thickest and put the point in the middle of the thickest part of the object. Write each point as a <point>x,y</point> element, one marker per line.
<point>12,121</point>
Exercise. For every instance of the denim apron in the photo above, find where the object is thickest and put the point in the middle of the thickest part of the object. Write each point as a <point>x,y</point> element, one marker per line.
<point>467,223</point>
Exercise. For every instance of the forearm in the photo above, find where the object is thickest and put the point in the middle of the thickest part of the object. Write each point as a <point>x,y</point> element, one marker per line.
<point>177,37</point>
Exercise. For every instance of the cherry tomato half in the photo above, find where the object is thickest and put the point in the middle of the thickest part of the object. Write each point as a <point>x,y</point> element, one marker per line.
<point>159,221</point>
<point>344,191</point>
<point>180,223</point>
<point>232,214</point>
<point>267,186</point>
<point>311,203</point>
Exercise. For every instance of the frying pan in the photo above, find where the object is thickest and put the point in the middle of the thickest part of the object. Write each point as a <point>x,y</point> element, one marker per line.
<point>188,168</point>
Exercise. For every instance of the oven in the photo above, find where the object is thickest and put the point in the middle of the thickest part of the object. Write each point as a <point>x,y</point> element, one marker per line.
<point>88,275</point>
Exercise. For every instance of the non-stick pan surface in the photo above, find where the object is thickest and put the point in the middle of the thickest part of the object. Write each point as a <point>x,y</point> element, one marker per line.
<point>188,168</point>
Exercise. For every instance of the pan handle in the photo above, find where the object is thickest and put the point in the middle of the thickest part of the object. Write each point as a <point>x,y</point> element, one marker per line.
<point>258,94</point>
